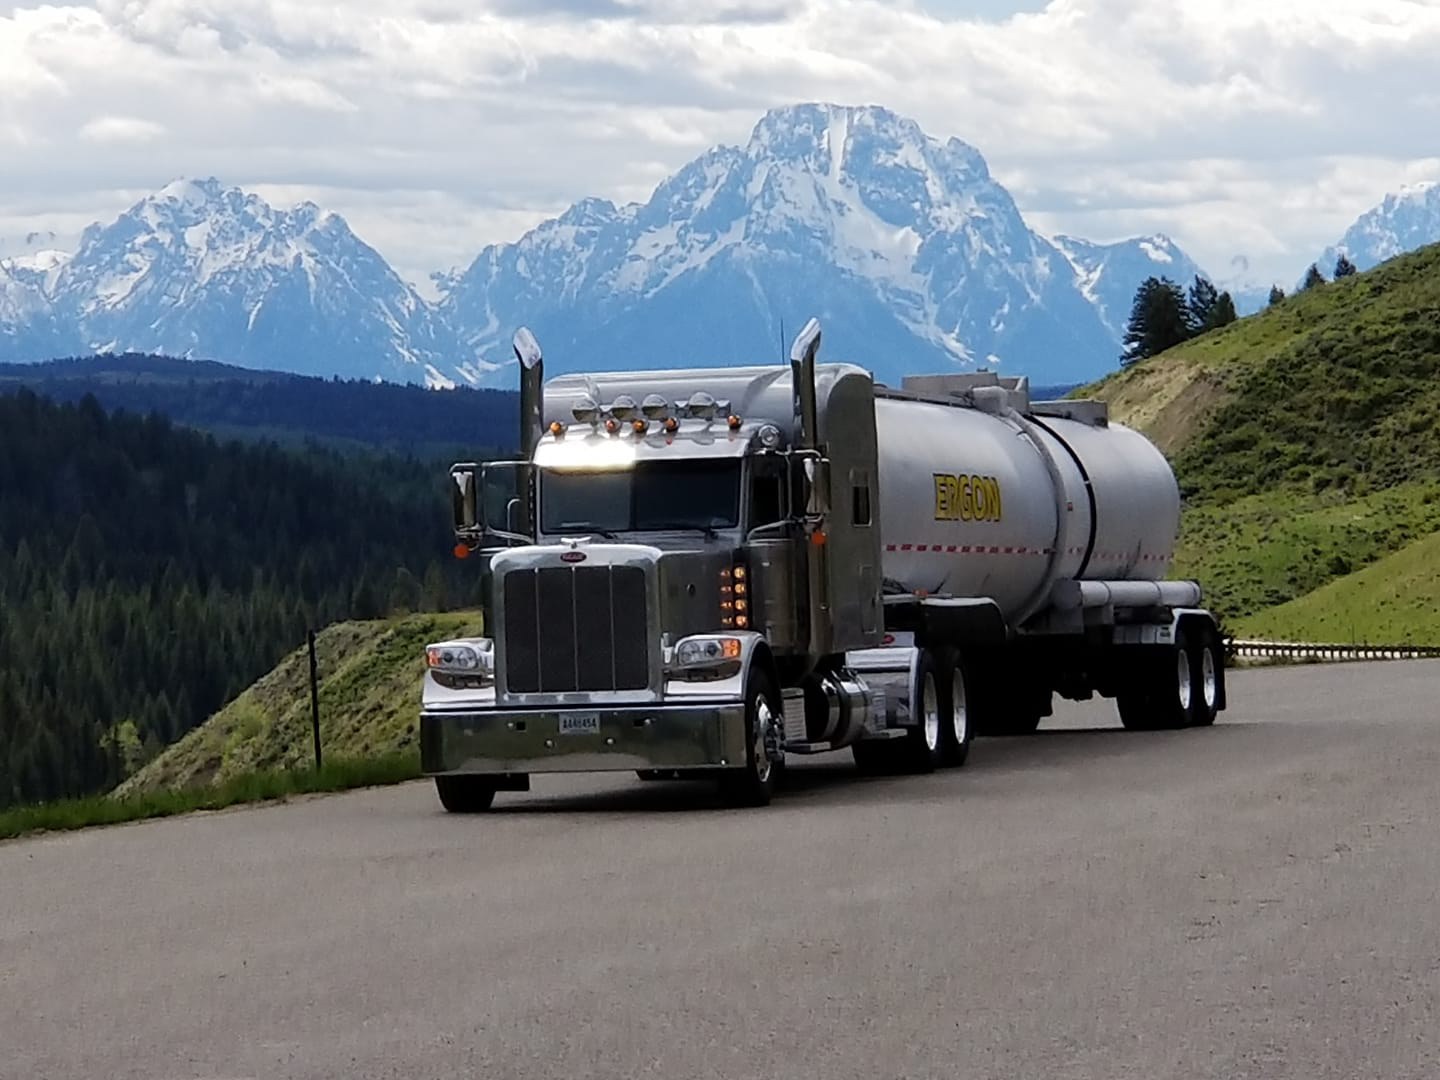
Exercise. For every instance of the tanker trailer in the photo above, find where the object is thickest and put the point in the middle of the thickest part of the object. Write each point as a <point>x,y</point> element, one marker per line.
<point>693,573</point>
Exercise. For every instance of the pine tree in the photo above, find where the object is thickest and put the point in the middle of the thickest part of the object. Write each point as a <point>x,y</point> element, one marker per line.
<point>1224,313</point>
<point>1276,295</point>
<point>1159,320</point>
<point>1344,267</point>
<point>1201,305</point>
<point>1313,277</point>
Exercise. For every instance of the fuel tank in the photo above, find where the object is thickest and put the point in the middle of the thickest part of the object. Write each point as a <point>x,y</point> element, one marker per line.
<point>1003,505</point>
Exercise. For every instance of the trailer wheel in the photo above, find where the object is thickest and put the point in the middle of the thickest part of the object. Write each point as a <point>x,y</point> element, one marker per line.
<point>754,784</point>
<point>923,749</point>
<point>1164,692</point>
<point>956,732</point>
<point>465,794</point>
<point>1205,664</point>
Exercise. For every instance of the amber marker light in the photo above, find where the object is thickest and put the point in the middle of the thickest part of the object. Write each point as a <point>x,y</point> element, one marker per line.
<point>640,426</point>
<point>461,551</point>
<point>557,428</point>
<point>734,423</point>
<point>611,427</point>
<point>671,424</point>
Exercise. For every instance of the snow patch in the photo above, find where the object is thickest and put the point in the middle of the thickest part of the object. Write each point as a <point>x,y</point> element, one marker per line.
<point>434,380</point>
<point>1155,248</point>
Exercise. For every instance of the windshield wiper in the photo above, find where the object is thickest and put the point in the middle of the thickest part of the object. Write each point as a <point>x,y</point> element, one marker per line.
<point>574,526</point>
<point>687,526</point>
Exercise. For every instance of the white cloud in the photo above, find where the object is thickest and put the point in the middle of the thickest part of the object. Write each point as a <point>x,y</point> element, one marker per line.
<point>121,129</point>
<point>441,125</point>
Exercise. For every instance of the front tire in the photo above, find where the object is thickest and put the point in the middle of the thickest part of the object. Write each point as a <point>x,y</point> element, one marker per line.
<point>754,785</point>
<point>465,794</point>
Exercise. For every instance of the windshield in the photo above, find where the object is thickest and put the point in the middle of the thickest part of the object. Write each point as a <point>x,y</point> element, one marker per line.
<point>650,495</point>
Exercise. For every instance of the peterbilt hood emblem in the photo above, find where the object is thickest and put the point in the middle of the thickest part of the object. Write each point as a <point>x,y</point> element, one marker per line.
<point>573,556</point>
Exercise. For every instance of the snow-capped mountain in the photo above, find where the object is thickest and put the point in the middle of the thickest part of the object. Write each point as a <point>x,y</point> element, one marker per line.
<point>913,256</point>
<point>1109,274</point>
<point>1404,221</point>
<point>27,325</point>
<point>200,269</point>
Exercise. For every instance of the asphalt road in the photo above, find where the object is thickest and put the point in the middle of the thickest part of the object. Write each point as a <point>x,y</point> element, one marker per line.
<point>1260,899</point>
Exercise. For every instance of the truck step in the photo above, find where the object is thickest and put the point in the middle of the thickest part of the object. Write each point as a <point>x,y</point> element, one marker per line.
<point>807,747</point>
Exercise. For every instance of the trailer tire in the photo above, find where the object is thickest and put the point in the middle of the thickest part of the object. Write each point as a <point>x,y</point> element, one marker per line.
<point>956,728</point>
<point>754,784</point>
<point>1163,696</point>
<point>1205,665</point>
<point>465,794</point>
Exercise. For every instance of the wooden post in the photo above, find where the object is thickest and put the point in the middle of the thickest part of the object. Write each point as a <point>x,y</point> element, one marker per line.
<point>314,699</point>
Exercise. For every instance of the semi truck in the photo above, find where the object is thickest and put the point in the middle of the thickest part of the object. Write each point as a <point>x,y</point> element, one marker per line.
<point>695,573</point>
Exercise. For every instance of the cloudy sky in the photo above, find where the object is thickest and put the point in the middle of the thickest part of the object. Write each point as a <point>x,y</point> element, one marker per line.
<point>1255,127</point>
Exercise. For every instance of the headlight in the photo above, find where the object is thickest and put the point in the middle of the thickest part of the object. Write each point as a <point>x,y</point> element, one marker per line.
<point>473,657</point>
<point>706,651</point>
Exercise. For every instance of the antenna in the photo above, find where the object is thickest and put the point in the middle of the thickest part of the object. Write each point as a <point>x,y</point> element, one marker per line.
<point>782,339</point>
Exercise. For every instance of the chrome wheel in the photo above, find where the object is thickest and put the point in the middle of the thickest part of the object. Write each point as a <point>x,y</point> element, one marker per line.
<point>930,707</point>
<point>959,712</point>
<point>767,740</point>
<point>1185,686</point>
<point>1209,681</point>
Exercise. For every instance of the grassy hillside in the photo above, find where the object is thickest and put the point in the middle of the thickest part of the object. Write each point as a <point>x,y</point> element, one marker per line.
<point>369,700</point>
<point>1306,438</point>
<point>1392,602</point>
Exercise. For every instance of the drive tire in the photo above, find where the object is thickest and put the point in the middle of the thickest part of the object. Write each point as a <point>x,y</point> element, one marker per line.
<point>465,794</point>
<point>755,783</point>
<point>956,730</point>
<point>923,748</point>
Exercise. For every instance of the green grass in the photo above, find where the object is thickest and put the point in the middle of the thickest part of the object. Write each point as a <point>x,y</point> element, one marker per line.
<point>260,786</point>
<point>1265,550</point>
<point>1395,601</point>
<point>369,707</point>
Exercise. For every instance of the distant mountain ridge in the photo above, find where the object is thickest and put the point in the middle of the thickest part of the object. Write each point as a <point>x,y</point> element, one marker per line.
<point>251,404</point>
<point>1404,221</point>
<point>911,253</point>
<point>913,256</point>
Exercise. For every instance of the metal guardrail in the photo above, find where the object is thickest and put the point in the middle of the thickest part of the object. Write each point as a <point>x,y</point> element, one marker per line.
<point>1301,650</point>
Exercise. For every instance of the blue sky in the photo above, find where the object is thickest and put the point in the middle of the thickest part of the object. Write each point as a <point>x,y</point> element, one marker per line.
<point>437,126</point>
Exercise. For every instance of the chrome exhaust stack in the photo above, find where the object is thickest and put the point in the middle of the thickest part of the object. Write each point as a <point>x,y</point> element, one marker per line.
<point>532,393</point>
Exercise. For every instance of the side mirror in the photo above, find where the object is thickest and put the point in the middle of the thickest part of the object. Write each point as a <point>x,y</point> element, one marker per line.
<point>490,502</point>
<point>463,504</point>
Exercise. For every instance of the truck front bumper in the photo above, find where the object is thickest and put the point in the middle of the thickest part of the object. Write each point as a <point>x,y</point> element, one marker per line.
<point>632,737</point>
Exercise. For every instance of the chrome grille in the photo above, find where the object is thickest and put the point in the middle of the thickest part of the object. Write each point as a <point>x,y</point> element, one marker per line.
<point>574,628</point>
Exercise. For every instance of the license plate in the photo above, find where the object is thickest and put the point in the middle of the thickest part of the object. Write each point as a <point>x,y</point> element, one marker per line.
<point>580,723</point>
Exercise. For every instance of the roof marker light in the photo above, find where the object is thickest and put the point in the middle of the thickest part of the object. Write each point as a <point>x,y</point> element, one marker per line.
<point>585,409</point>
<point>654,406</point>
<point>700,405</point>
<point>623,407</point>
